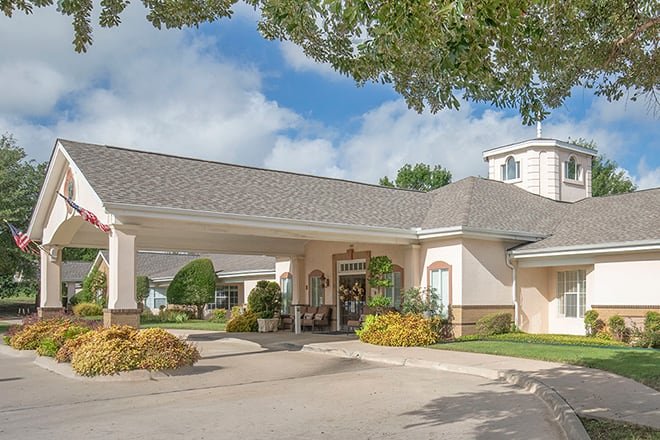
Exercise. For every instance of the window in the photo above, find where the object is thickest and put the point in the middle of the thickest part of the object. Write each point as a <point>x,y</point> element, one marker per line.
<point>394,292</point>
<point>226,297</point>
<point>353,266</point>
<point>572,293</point>
<point>572,169</point>
<point>511,169</point>
<point>286,284</point>
<point>317,288</point>
<point>440,285</point>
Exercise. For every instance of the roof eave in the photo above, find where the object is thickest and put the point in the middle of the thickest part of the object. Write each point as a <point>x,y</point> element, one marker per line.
<point>601,248</point>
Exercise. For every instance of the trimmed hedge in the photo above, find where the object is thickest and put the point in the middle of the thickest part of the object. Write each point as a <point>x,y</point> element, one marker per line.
<point>494,324</point>
<point>544,339</point>
<point>241,323</point>
<point>396,330</point>
<point>87,309</point>
<point>194,285</point>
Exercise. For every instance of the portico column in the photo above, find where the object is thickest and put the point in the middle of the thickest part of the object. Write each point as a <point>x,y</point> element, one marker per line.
<point>50,299</point>
<point>122,307</point>
<point>299,280</point>
<point>412,273</point>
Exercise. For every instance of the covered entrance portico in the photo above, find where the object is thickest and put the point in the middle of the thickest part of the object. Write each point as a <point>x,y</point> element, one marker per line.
<point>157,227</point>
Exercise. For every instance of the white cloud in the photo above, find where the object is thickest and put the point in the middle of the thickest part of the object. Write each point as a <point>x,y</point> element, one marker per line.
<point>647,177</point>
<point>309,156</point>
<point>298,61</point>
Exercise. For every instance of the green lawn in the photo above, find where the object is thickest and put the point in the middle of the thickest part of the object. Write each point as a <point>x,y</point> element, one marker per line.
<point>192,324</point>
<point>611,430</point>
<point>3,327</point>
<point>642,365</point>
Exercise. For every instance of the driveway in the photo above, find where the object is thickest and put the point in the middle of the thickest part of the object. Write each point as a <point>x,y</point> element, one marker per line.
<point>241,390</point>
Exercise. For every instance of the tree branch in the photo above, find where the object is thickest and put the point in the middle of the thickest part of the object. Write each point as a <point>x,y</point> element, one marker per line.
<point>627,39</point>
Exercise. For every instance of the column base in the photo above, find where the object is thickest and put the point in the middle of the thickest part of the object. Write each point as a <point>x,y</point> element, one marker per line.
<point>121,317</point>
<point>49,312</point>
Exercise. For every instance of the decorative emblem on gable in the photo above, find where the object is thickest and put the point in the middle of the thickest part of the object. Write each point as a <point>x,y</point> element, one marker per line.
<point>69,188</point>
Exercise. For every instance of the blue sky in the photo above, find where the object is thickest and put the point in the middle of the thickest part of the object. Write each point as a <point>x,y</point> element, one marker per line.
<point>222,92</point>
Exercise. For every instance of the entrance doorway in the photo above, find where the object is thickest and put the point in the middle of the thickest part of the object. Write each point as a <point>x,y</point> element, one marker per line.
<point>351,290</point>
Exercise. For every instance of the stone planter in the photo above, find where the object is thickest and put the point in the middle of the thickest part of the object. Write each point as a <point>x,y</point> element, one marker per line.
<point>268,325</point>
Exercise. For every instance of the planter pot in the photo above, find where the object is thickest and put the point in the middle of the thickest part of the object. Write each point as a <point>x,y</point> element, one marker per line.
<point>268,325</point>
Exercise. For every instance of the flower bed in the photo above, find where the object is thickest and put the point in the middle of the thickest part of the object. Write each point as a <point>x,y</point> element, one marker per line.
<point>103,351</point>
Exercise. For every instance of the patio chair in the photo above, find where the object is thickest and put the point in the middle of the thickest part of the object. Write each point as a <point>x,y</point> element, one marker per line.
<point>322,317</point>
<point>307,317</point>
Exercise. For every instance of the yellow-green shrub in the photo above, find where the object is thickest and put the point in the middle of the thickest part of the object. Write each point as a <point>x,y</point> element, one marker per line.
<point>109,356</point>
<point>246,322</point>
<point>87,309</point>
<point>161,350</point>
<point>57,331</point>
<point>397,330</point>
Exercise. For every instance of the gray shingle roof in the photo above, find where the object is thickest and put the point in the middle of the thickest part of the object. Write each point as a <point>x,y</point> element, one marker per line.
<point>612,219</point>
<point>151,179</point>
<point>164,265</point>
<point>75,271</point>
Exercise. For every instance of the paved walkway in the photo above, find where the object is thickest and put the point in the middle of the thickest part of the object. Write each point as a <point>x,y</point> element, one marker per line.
<point>588,391</point>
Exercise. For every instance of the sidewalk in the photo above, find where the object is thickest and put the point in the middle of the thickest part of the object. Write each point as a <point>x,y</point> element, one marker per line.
<point>588,391</point>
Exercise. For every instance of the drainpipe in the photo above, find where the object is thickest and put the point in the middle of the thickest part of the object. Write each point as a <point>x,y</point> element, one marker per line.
<point>514,288</point>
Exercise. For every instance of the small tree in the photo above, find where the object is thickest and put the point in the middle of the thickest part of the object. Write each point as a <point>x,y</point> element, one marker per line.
<point>94,288</point>
<point>265,299</point>
<point>193,285</point>
<point>141,288</point>
<point>379,268</point>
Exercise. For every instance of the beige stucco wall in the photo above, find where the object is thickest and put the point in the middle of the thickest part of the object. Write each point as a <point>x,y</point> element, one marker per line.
<point>449,251</point>
<point>631,279</point>
<point>533,299</point>
<point>486,277</point>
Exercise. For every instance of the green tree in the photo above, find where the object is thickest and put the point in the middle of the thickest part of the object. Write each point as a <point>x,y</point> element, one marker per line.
<point>193,285</point>
<point>524,54</point>
<point>379,269</point>
<point>79,254</point>
<point>20,182</point>
<point>421,177</point>
<point>265,299</point>
<point>606,176</point>
<point>141,288</point>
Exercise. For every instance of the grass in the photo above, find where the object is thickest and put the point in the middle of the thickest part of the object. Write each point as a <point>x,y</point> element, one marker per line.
<point>636,363</point>
<point>611,430</point>
<point>191,324</point>
<point>3,328</point>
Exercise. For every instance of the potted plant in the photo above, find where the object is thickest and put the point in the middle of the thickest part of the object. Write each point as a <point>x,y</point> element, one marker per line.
<point>266,300</point>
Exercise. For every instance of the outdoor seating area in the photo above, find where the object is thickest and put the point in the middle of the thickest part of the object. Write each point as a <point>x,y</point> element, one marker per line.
<point>311,317</point>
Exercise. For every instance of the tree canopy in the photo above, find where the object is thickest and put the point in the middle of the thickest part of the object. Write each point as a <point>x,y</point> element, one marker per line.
<point>194,285</point>
<point>20,181</point>
<point>524,54</point>
<point>420,177</point>
<point>606,176</point>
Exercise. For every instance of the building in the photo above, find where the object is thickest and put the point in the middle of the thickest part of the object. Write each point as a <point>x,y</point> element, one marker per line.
<point>528,240</point>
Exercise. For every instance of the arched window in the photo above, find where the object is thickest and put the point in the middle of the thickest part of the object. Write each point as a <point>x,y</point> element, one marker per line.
<point>286,284</point>
<point>439,281</point>
<point>572,169</point>
<point>511,169</point>
<point>394,292</point>
<point>317,282</point>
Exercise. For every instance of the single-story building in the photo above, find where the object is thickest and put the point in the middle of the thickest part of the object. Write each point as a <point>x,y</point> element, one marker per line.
<point>529,239</point>
<point>236,275</point>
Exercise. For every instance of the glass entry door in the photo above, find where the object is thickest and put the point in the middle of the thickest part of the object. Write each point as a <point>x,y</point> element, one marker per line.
<point>352,297</point>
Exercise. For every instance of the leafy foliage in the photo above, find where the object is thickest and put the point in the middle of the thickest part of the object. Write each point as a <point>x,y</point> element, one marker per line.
<point>592,324</point>
<point>650,336</point>
<point>395,330</point>
<point>265,299</point>
<point>141,288</point>
<point>606,176</point>
<point>379,268</point>
<point>57,330</point>
<point>419,300</point>
<point>20,181</point>
<point>79,254</point>
<point>379,302</point>
<point>420,177</point>
<point>194,284</point>
<point>94,288</point>
<point>494,324</point>
<point>87,309</point>
<point>617,326</point>
<point>245,322</point>
<point>219,316</point>
<point>544,339</point>
<point>524,54</point>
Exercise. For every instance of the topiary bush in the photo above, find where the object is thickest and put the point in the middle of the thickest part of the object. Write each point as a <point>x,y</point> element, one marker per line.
<point>87,309</point>
<point>193,285</point>
<point>494,324</point>
<point>240,323</point>
<point>265,299</point>
<point>141,288</point>
<point>592,324</point>
<point>396,330</point>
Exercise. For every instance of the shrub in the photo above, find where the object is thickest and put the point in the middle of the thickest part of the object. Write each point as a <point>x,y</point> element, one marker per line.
<point>48,335</point>
<point>532,338</point>
<point>417,300</point>
<point>170,315</point>
<point>265,299</point>
<point>592,324</point>
<point>650,336</point>
<point>617,326</point>
<point>652,321</point>
<point>47,347</point>
<point>395,330</point>
<point>219,316</point>
<point>246,322</point>
<point>106,356</point>
<point>161,350</point>
<point>193,285</point>
<point>87,309</point>
<point>494,324</point>
<point>379,302</point>
<point>141,288</point>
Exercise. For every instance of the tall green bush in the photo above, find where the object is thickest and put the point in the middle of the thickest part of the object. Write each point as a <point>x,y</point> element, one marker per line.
<point>141,288</point>
<point>494,324</point>
<point>265,299</point>
<point>379,268</point>
<point>617,326</point>
<point>193,285</point>
<point>592,324</point>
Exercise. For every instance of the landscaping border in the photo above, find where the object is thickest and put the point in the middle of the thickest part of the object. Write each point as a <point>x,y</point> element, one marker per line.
<point>563,413</point>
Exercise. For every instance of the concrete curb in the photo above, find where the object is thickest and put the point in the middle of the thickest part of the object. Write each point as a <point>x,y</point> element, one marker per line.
<point>11,352</point>
<point>560,409</point>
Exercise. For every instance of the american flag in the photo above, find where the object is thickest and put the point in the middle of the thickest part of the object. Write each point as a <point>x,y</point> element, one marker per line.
<point>22,240</point>
<point>88,216</point>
